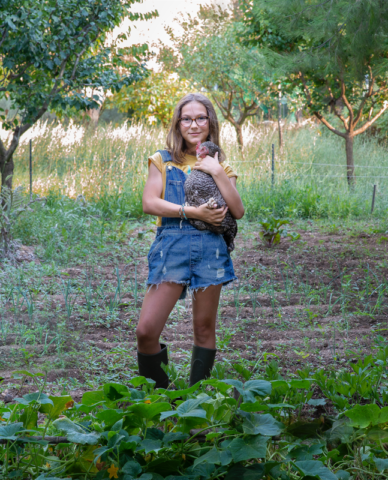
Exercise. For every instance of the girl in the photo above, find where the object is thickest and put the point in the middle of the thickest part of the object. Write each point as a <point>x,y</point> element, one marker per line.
<point>181,256</point>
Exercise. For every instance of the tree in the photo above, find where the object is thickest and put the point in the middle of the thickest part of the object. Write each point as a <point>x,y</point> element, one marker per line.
<point>335,51</point>
<point>54,53</point>
<point>208,55</point>
<point>153,98</point>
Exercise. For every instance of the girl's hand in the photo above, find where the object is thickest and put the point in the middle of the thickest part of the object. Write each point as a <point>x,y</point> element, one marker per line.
<point>208,164</point>
<point>214,216</point>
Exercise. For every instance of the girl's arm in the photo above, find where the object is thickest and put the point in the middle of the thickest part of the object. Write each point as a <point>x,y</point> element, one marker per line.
<point>154,205</point>
<point>227,186</point>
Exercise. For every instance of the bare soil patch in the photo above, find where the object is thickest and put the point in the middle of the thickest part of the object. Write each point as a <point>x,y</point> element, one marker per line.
<point>315,303</point>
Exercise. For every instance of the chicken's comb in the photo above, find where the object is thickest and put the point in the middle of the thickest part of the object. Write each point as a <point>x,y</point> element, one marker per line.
<point>197,147</point>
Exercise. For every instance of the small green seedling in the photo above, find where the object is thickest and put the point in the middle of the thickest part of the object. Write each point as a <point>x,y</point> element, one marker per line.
<point>273,229</point>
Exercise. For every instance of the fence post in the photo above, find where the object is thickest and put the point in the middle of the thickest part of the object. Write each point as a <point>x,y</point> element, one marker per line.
<point>280,120</point>
<point>373,198</point>
<point>273,164</point>
<point>30,170</point>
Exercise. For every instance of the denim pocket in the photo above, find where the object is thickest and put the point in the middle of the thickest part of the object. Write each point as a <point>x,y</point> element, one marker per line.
<point>155,247</point>
<point>174,192</point>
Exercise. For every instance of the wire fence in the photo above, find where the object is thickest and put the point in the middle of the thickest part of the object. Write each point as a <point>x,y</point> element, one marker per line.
<point>258,161</point>
<point>367,184</point>
<point>269,165</point>
<point>317,175</point>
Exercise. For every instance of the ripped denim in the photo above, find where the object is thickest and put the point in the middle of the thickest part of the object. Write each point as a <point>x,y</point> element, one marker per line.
<point>184,255</point>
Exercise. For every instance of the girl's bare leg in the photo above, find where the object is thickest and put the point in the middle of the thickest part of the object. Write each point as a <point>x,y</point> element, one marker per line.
<point>157,305</point>
<point>205,304</point>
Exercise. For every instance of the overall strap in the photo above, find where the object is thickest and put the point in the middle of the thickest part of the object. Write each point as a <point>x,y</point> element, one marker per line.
<point>166,156</point>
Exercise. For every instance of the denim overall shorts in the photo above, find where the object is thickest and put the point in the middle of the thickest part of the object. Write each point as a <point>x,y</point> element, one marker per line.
<point>182,254</point>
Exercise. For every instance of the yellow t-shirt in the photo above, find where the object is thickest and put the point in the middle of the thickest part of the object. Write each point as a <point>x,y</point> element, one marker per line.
<point>189,161</point>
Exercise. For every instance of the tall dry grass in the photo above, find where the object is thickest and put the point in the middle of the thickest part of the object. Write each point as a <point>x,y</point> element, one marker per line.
<point>113,161</point>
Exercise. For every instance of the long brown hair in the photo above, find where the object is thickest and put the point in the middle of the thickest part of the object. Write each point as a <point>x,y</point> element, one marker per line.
<point>176,144</point>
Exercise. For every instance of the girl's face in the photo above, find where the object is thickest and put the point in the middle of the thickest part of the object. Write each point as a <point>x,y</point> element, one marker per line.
<point>194,133</point>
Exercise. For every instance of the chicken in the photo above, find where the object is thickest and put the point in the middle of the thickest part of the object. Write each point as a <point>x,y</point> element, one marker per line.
<point>200,188</point>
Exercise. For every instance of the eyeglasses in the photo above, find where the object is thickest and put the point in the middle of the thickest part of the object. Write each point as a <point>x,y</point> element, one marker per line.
<point>200,121</point>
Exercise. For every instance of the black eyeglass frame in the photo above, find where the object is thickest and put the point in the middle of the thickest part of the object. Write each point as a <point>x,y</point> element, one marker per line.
<point>194,120</point>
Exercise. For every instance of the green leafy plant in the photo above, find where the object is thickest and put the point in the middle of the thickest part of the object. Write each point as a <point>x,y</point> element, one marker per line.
<point>224,429</point>
<point>273,229</point>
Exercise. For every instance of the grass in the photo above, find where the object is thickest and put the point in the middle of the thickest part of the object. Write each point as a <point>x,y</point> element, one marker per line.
<point>109,167</point>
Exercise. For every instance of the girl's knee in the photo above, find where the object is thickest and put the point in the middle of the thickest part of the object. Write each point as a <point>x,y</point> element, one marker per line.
<point>204,331</point>
<point>144,333</point>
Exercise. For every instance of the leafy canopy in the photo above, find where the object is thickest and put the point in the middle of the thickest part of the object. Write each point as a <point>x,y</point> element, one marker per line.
<point>328,47</point>
<point>208,54</point>
<point>53,50</point>
<point>153,98</point>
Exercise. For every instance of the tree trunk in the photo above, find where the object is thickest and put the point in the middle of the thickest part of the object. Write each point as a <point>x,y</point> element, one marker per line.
<point>350,160</point>
<point>240,139</point>
<point>94,115</point>
<point>7,172</point>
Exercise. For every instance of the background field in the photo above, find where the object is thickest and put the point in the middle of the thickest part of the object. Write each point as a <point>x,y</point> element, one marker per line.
<point>108,166</point>
<point>314,303</point>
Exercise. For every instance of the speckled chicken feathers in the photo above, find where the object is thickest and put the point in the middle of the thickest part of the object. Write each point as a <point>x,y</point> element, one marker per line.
<point>199,188</point>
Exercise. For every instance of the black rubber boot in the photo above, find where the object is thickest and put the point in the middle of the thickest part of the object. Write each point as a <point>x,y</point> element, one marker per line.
<point>149,366</point>
<point>202,361</point>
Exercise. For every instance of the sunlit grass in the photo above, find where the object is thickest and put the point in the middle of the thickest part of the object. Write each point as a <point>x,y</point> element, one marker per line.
<point>310,174</point>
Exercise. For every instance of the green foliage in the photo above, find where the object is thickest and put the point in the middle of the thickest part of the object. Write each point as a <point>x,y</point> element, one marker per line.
<point>55,55</point>
<point>209,56</point>
<point>325,45</point>
<point>152,99</point>
<point>273,229</point>
<point>335,54</point>
<point>203,432</point>
<point>53,51</point>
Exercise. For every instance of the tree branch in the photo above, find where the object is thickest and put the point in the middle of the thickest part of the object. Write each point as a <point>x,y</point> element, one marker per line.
<point>229,110</point>
<point>372,121</point>
<point>220,106</point>
<point>252,114</point>
<point>4,36</point>
<point>12,76</point>
<point>328,125</point>
<point>227,115</point>
<point>246,112</point>
<point>377,92</point>
<point>80,55</point>
<point>341,117</point>
<point>334,103</point>
<point>348,106</point>
<point>76,63</point>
